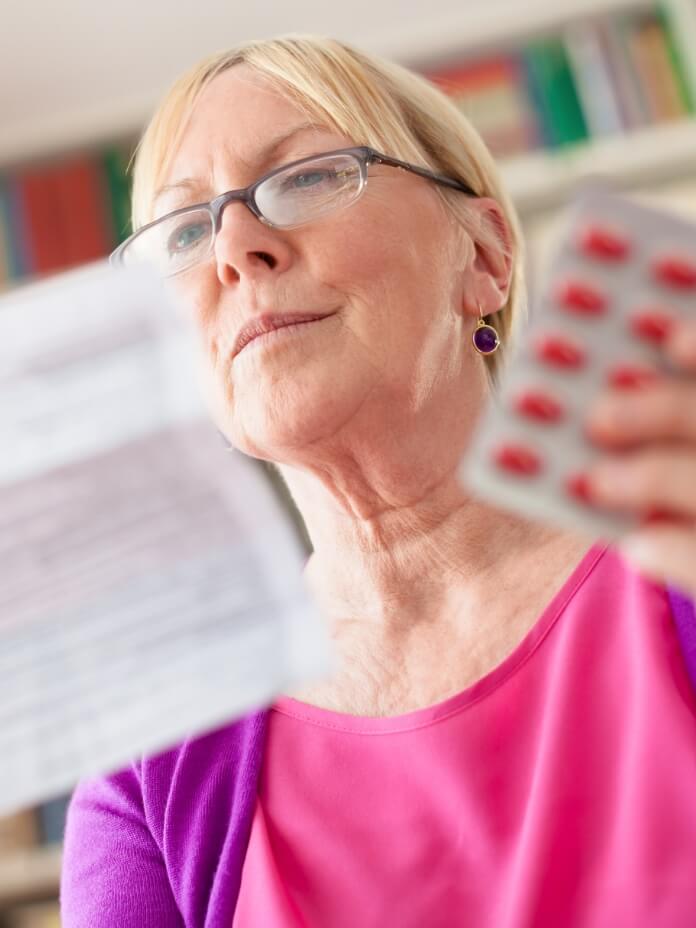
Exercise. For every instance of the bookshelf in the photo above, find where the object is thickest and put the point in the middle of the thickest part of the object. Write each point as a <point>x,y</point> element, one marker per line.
<point>648,158</point>
<point>539,178</point>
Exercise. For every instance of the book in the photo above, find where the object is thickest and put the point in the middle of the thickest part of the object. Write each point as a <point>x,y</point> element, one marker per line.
<point>550,75</point>
<point>12,216</point>
<point>647,45</point>
<point>587,56</point>
<point>675,50</point>
<point>5,271</point>
<point>115,161</point>
<point>83,201</point>
<point>42,223</point>
<point>492,93</point>
<point>634,108</point>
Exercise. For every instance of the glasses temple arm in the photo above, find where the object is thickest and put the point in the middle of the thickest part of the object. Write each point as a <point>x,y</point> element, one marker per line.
<point>423,172</point>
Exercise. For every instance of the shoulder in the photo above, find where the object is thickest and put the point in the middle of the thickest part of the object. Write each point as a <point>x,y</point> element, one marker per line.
<point>128,835</point>
<point>214,764</point>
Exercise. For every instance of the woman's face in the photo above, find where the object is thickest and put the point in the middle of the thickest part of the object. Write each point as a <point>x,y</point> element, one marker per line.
<point>388,270</point>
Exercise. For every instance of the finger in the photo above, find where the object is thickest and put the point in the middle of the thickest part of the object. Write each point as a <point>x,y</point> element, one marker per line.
<point>680,344</point>
<point>665,408</point>
<point>647,478</point>
<point>664,553</point>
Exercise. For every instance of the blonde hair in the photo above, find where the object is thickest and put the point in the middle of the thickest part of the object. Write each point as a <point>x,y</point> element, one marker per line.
<point>375,102</point>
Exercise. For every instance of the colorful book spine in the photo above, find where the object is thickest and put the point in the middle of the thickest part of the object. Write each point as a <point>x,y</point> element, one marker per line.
<point>593,79</point>
<point>53,217</point>
<point>5,271</point>
<point>491,92</point>
<point>115,162</point>
<point>634,107</point>
<point>647,45</point>
<point>675,50</point>
<point>43,235</point>
<point>16,239</point>
<point>83,204</point>
<point>550,76</point>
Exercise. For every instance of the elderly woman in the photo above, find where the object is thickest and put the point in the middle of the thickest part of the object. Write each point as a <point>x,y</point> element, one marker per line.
<point>511,738</point>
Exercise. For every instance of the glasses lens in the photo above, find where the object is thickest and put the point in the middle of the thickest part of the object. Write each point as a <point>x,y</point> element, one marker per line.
<point>306,191</point>
<point>173,244</point>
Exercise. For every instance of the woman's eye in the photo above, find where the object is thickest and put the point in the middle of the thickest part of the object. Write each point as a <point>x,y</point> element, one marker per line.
<point>309,179</point>
<point>185,236</point>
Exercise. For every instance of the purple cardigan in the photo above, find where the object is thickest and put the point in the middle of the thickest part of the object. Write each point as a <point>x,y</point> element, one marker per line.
<point>161,844</point>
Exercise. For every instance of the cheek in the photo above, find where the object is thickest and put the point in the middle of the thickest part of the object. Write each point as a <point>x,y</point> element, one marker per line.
<point>398,287</point>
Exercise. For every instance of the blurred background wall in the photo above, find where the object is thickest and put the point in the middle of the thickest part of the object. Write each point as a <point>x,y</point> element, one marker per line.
<point>559,91</point>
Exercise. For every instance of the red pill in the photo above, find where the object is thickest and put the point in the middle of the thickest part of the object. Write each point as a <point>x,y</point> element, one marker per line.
<point>535,404</point>
<point>604,243</point>
<point>560,352</point>
<point>653,325</point>
<point>581,298</point>
<point>518,459</point>
<point>676,272</point>
<point>659,514</point>
<point>578,486</point>
<point>631,376</point>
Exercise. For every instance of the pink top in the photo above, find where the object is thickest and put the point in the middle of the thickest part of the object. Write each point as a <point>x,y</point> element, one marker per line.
<point>560,789</point>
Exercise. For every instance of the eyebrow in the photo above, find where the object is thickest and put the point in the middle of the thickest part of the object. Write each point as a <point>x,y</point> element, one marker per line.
<point>261,157</point>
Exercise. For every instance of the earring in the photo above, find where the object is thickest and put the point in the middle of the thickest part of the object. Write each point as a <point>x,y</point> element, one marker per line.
<point>485,338</point>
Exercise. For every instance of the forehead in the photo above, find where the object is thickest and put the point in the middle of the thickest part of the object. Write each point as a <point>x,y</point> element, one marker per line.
<point>240,105</point>
<point>235,118</point>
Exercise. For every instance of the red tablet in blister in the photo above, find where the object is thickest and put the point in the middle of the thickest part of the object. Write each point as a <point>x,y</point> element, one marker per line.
<point>579,487</point>
<point>631,376</point>
<point>518,459</point>
<point>653,325</point>
<point>560,351</point>
<point>582,298</point>
<point>675,271</point>
<point>604,243</point>
<point>539,405</point>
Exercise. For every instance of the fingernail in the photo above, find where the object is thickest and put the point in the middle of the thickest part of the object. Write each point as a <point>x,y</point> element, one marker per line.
<point>609,478</point>
<point>683,343</point>
<point>605,415</point>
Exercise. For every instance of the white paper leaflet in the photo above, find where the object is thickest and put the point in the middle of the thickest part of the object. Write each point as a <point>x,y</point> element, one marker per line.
<point>151,579</point>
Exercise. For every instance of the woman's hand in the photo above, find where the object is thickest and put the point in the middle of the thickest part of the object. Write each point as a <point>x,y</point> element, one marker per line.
<point>649,435</point>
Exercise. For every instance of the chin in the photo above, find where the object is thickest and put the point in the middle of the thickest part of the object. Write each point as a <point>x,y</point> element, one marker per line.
<point>281,433</point>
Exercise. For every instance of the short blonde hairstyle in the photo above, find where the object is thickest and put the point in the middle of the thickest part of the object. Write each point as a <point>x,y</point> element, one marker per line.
<point>373,101</point>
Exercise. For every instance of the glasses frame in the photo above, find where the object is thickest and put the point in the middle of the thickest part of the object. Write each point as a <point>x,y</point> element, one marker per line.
<point>247,195</point>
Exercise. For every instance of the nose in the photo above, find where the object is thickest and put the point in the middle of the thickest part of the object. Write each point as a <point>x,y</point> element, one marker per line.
<point>245,246</point>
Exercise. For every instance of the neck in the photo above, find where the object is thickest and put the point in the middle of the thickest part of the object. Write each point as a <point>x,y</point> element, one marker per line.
<point>391,563</point>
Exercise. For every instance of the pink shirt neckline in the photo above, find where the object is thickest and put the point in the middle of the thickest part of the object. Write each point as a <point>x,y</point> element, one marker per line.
<point>419,718</point>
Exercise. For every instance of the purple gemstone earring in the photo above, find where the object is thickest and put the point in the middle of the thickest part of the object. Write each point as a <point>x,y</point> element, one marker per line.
<point>485,338</point>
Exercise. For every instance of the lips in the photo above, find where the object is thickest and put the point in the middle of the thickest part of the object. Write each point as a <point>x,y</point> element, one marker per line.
<point>268,322</point>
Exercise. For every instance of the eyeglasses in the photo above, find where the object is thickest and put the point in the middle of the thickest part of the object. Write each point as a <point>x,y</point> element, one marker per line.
<point>285,198</point>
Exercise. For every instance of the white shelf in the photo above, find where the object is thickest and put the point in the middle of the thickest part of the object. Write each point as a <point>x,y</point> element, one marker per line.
<point>541,180</point>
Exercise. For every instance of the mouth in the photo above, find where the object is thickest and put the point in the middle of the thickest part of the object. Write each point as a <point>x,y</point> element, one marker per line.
<point>271,322</point>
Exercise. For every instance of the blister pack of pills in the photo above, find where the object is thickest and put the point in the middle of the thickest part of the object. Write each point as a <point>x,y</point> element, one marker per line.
<point>621,275</point>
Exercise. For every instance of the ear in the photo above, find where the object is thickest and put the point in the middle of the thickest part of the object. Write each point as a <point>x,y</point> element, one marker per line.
<point>490,270</point>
